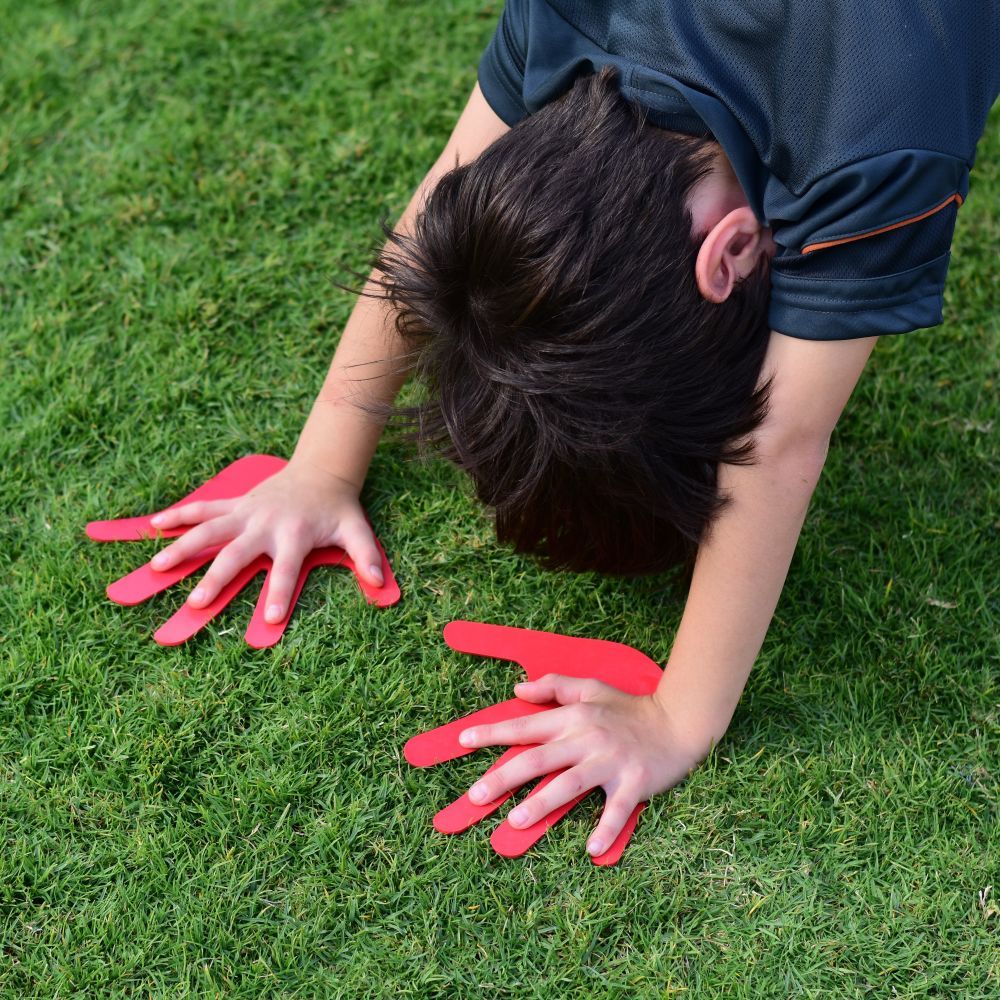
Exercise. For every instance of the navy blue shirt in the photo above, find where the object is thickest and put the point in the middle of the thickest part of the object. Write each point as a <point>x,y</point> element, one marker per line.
<point>851,125</point>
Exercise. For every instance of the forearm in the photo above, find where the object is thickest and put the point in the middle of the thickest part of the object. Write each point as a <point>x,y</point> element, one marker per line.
<point>738,577</point>
<point>344,425</point>
<point>368,369</point>
<point>370,364</point>
<point>741,566</point>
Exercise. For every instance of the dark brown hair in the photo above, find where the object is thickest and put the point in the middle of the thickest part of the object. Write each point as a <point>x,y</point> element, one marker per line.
<point>575,371</point>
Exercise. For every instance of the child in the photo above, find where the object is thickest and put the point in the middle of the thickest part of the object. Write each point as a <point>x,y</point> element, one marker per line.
<point>641,282</point>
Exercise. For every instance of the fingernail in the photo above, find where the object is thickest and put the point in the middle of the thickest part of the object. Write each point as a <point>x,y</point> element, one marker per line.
<point>376,574</point>
<point>467,737</point>
<point>158,519</point>
<point>517,816</point>
<point>273,614</point>
<point>478,793</point>
<point>595,847</point>
<point>158,561</point>
<point>197,596</point>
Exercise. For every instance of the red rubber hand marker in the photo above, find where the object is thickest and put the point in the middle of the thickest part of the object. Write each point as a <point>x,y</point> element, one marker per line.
<point>539,653</point>
<point>233,481</point>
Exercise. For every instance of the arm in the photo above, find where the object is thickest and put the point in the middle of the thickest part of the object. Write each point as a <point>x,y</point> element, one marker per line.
<point>314,501</point>
<point>340,436</point>
<point>634,747</point>
<point>741,568</point>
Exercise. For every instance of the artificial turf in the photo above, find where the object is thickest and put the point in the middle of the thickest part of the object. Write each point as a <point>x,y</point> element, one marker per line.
<point>181,185</point>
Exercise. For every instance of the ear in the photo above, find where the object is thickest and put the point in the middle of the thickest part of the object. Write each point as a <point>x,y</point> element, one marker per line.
<point>729,252</point>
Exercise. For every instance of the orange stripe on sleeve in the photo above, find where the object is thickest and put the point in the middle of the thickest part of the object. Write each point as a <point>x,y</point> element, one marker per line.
<point>885,229</point>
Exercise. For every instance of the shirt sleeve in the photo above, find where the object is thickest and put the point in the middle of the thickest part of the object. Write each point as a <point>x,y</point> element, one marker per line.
<point>501,68</point>
<point>887,280</point>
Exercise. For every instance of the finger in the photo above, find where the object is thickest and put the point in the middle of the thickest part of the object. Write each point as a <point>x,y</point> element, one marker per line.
<point>463,812</point>
<point>283,581</point>
<point>144,582</point>
<point>188,620</point>
<point>226,565</point>
<point>526,727</point>
<point>612,855</point>
<point>540,760</point>
<point>512,842</point>
<point>261,633</point>
<point>190,513</point>
<point>441,744</point>
<point>202,537</point>
<point>569,784</point>
<point>388,594</point>
<point>127,529</point>
<point>233,481</point>
<point>617,813</point>
<point>358,540</point>
<point>557,687</point>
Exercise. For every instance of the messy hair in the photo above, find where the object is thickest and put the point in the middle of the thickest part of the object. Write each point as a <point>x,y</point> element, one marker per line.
<point>574,369</point>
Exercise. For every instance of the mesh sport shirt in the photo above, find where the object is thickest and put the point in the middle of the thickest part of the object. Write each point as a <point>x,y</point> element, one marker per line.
<point>851,125</point>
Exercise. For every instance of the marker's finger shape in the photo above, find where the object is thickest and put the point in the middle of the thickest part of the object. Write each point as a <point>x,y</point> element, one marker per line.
<point>261,633</point>
<point>145,582</point>
<point>542,653</point>
<point>614,853</point>
<point>512,843</point>
<point>129,529</point>
<point>441,744</point>
<point>188,620</point>
<point>503,642</point>
<point>463,812</point>
<point>233,481</point>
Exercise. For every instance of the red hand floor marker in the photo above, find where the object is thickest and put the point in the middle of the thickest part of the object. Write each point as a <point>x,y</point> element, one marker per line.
<point>539,653</point>
<point>233,481</point>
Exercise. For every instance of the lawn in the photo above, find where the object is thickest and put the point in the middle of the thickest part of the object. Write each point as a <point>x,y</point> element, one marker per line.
<point>181,185</point>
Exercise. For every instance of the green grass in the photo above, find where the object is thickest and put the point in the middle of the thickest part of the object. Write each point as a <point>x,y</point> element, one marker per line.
<point>180,186</point>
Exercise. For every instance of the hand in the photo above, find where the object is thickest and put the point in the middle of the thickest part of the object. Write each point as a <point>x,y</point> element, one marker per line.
<point>257,515</point>
<point>601,737</point>
<point>616,716</point>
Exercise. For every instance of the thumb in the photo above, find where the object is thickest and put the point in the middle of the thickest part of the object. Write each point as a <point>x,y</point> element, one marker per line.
<point>555,687</point>
<point>358,541</point>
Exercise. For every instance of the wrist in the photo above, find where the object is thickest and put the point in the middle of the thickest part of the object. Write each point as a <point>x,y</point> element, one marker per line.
<point>695,722</point>
<point>318,477</point>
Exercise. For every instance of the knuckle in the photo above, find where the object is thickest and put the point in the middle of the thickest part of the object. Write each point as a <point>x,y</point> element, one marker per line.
<point>225,565</point>
<point>636,775</point>
<point>537,806</point>
<point>520,724</point>
<point>604,743</point>
<point>534,761</point>
<point>296,533</point>
<point>182,548</point>
<point>619,806</point>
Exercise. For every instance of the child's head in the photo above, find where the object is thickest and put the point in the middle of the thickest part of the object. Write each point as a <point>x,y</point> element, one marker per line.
<point>576,372</point>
